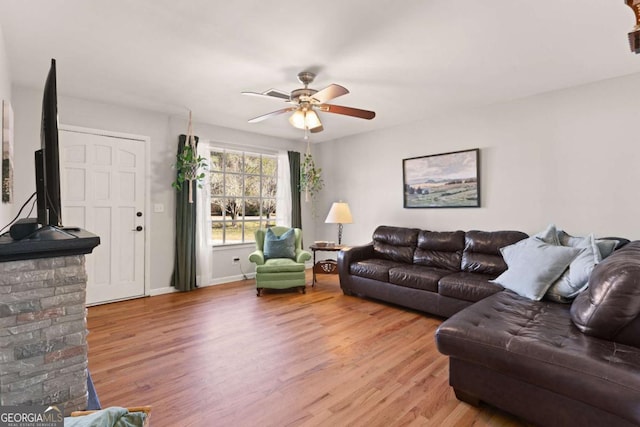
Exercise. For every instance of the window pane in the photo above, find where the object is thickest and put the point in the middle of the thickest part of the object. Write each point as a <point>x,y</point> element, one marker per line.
<point>233,210</point>
<point>233,184</point>
<point>233,162</point>
<point>269,186</point>
<point>269,165</point>
<point>218,207</point>
<point>252,208</point>
<point>250,228</point>
<point>215,163</point>
<point>252,164</point>
<point>217,184</point>
<point>217,233</point>
<point>252,186</point>
<point>269,209</point>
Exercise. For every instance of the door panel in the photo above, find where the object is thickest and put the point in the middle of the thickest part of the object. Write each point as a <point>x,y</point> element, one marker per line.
<point>103,187</point>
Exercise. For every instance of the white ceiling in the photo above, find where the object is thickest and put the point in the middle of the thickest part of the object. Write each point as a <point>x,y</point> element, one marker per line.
<point>404,59</point>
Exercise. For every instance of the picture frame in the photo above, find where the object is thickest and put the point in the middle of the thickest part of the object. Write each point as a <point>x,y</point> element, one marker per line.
<point>6,125</point>
<point>447,180</point>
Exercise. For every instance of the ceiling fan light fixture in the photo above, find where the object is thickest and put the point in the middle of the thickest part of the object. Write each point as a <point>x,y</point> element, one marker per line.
<point>304,119</point>
<point>312,120</point>
<point>297,119</point>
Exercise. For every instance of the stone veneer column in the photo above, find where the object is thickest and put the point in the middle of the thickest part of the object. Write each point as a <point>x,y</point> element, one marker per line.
<point>43,346</point>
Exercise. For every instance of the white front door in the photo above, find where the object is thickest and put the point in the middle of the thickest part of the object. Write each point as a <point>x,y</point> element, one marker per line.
<point>103,191</point>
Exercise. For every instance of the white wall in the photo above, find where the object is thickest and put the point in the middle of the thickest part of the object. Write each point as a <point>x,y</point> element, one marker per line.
<point>569,157</point>
<point>163,131</point>
<point>5,94</point>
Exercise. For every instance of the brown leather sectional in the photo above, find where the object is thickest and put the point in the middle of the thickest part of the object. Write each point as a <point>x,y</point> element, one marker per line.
<point>551,364</point>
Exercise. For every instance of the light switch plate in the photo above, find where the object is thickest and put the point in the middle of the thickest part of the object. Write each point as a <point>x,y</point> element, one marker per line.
<point>158,208</point>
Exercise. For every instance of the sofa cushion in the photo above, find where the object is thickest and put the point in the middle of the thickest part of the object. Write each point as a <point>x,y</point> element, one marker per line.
<point>468,286</point>
<point>417,277</point>
<point>440,249</point>
<point>536,343</point>
<point>395,243</point>
<point>482,250</point>
<point>611,303</point>
<point>374,268</point>
<point>533,266</point>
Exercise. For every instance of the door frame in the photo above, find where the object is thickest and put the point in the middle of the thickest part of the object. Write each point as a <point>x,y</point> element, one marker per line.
<point>147,186</point>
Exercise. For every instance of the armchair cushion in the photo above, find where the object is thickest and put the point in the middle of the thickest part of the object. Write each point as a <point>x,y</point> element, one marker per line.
<point>283,246</point>
<point>280,265</point>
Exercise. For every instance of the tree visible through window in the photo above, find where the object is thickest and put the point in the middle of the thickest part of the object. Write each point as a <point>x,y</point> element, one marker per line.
<point>243,194</point>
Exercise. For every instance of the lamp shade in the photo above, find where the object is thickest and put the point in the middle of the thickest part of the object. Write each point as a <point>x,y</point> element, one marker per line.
<point>339,214</point>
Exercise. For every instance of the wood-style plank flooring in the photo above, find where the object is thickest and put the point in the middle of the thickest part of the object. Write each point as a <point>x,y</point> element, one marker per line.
<point>220,356</point>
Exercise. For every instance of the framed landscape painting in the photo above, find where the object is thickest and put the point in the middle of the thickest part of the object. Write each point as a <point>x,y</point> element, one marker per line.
<point>449,180</point>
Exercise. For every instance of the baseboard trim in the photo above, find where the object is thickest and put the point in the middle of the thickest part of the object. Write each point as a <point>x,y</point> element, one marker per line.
<point>214,282</point>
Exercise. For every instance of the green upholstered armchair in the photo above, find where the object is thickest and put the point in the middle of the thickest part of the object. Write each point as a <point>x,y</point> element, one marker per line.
<point>279,273</point>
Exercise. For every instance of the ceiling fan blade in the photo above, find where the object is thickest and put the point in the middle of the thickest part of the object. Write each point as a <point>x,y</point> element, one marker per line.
<point>347,111</point>
<point>271,114</point>
<point>328,93</point>
<point>271,93</point>
<point>317,129</point>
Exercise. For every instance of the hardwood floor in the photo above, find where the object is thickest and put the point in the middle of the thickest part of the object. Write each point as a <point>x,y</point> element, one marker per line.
<point>220,356</point>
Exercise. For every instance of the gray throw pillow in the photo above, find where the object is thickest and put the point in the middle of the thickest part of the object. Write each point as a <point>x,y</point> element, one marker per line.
<point>549,235</point>
<point>576,278</point>
<point>533,266</point>
<point>280,247</point>
<point>606,246</point>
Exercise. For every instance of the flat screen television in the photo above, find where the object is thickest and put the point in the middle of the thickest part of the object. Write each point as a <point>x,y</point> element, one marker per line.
<point>47,159</point>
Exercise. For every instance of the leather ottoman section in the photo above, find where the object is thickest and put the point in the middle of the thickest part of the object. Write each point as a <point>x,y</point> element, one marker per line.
<point>468,286</point>
<point>537,343</point>
<point>375,268</point>
<point>417,277</point>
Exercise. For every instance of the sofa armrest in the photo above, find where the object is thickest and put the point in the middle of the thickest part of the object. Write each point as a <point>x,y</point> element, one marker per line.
<point>353,254</point>
<point>302,255</point>
<point>257,257</point>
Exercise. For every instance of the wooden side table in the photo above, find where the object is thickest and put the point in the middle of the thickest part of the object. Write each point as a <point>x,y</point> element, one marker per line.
<point>325,266</point>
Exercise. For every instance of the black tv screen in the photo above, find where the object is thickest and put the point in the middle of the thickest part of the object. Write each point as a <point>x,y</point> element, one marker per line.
<point>48,161</point>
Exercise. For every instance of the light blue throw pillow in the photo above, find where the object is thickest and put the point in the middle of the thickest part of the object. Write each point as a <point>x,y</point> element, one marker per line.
<point>606,247</point>
<point>280,247</point>
<point>549,235</point>
<point>533,266</point>
<point>576,278</point>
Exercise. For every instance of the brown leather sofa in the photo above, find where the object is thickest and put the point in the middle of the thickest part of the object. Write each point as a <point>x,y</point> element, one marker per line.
<point>555,364</point>
<point>552,364</point>
<point>436,272</point>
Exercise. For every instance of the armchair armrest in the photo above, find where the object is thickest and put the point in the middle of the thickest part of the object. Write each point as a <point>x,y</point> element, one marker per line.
<point>302,255</point>
<point>257,257</point>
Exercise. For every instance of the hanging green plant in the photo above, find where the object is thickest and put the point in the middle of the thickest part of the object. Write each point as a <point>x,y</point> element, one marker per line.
<point>310,178</point>
<point>189,165</point>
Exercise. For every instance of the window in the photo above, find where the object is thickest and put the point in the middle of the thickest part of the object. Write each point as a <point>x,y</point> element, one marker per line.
<point>243,194</point>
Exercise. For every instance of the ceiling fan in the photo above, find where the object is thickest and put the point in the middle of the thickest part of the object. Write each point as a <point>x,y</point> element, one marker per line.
<point>306,101</point>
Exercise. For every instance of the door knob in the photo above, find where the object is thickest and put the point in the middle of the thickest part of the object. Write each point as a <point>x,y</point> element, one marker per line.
<point>138,228</point>
<point>138,214</point>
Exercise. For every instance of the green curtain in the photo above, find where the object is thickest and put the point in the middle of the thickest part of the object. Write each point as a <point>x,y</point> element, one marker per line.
<point>296,207</point>
<point>184,268</point>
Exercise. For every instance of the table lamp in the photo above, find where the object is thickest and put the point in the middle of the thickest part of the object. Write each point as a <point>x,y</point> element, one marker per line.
<point>339,214</point>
